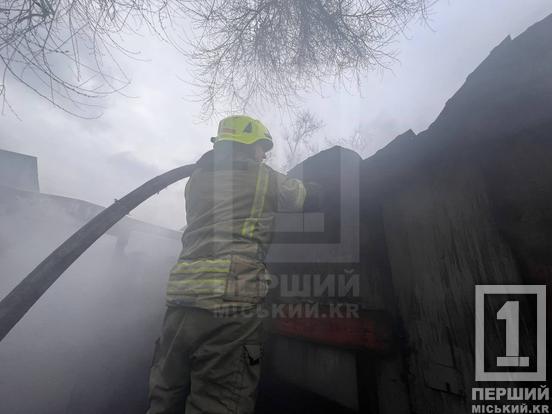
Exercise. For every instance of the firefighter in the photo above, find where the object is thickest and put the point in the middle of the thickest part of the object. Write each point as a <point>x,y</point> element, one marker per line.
<point>207,359</point>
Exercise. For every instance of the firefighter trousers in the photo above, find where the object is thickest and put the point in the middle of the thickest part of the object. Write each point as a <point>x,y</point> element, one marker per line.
<point>204,363</point>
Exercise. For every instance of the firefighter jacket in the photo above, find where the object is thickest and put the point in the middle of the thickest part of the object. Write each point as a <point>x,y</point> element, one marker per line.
<point>230,208</point>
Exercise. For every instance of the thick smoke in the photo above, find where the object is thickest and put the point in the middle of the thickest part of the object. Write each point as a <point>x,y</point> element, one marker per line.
<point>85,346</point>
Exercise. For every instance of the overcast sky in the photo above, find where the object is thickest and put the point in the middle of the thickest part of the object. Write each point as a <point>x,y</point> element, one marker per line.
<point>137,138</point>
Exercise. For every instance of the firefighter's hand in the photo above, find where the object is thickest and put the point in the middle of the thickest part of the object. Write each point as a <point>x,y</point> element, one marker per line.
<point>315,197</point>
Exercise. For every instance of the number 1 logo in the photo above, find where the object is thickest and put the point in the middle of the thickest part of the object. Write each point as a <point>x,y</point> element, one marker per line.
<point>509,312</point>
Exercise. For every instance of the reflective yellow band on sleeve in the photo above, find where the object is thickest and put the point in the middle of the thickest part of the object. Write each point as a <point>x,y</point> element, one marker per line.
<point>258,202</point>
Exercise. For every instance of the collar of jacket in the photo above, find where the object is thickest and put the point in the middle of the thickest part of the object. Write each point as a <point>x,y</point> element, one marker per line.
<point>211,161</point>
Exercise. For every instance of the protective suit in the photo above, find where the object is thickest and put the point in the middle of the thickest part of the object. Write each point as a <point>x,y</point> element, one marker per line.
<point>208,357</point>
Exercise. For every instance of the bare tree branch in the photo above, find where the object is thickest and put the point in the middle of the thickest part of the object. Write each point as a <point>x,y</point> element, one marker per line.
<point>66,50</point>
<point>358,141</point>
<point>300,140</point>
<point>270,50</point>
<point>242,51</point>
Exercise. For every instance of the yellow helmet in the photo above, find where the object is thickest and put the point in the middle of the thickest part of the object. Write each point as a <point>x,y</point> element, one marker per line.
<point>243,129</point>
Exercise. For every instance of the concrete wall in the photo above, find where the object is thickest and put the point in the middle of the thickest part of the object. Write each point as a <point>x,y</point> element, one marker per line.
<point>18,171</point>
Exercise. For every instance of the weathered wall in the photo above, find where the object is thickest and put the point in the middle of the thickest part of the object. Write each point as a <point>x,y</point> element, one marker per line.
<point>468,202</point>
<point>465,203</point>
<point>18,171</point>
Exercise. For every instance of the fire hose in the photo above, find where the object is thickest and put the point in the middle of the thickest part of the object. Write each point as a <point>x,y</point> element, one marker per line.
<point>16,304</point>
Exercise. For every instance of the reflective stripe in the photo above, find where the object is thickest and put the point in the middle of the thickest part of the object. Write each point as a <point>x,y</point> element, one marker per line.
<point>301,195</point>
<point>201,281</point>
<point>258,202</point>
<point>189,291</point>
<point>202,266</point>
<point>201,286</point>
<point>196,277</point>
